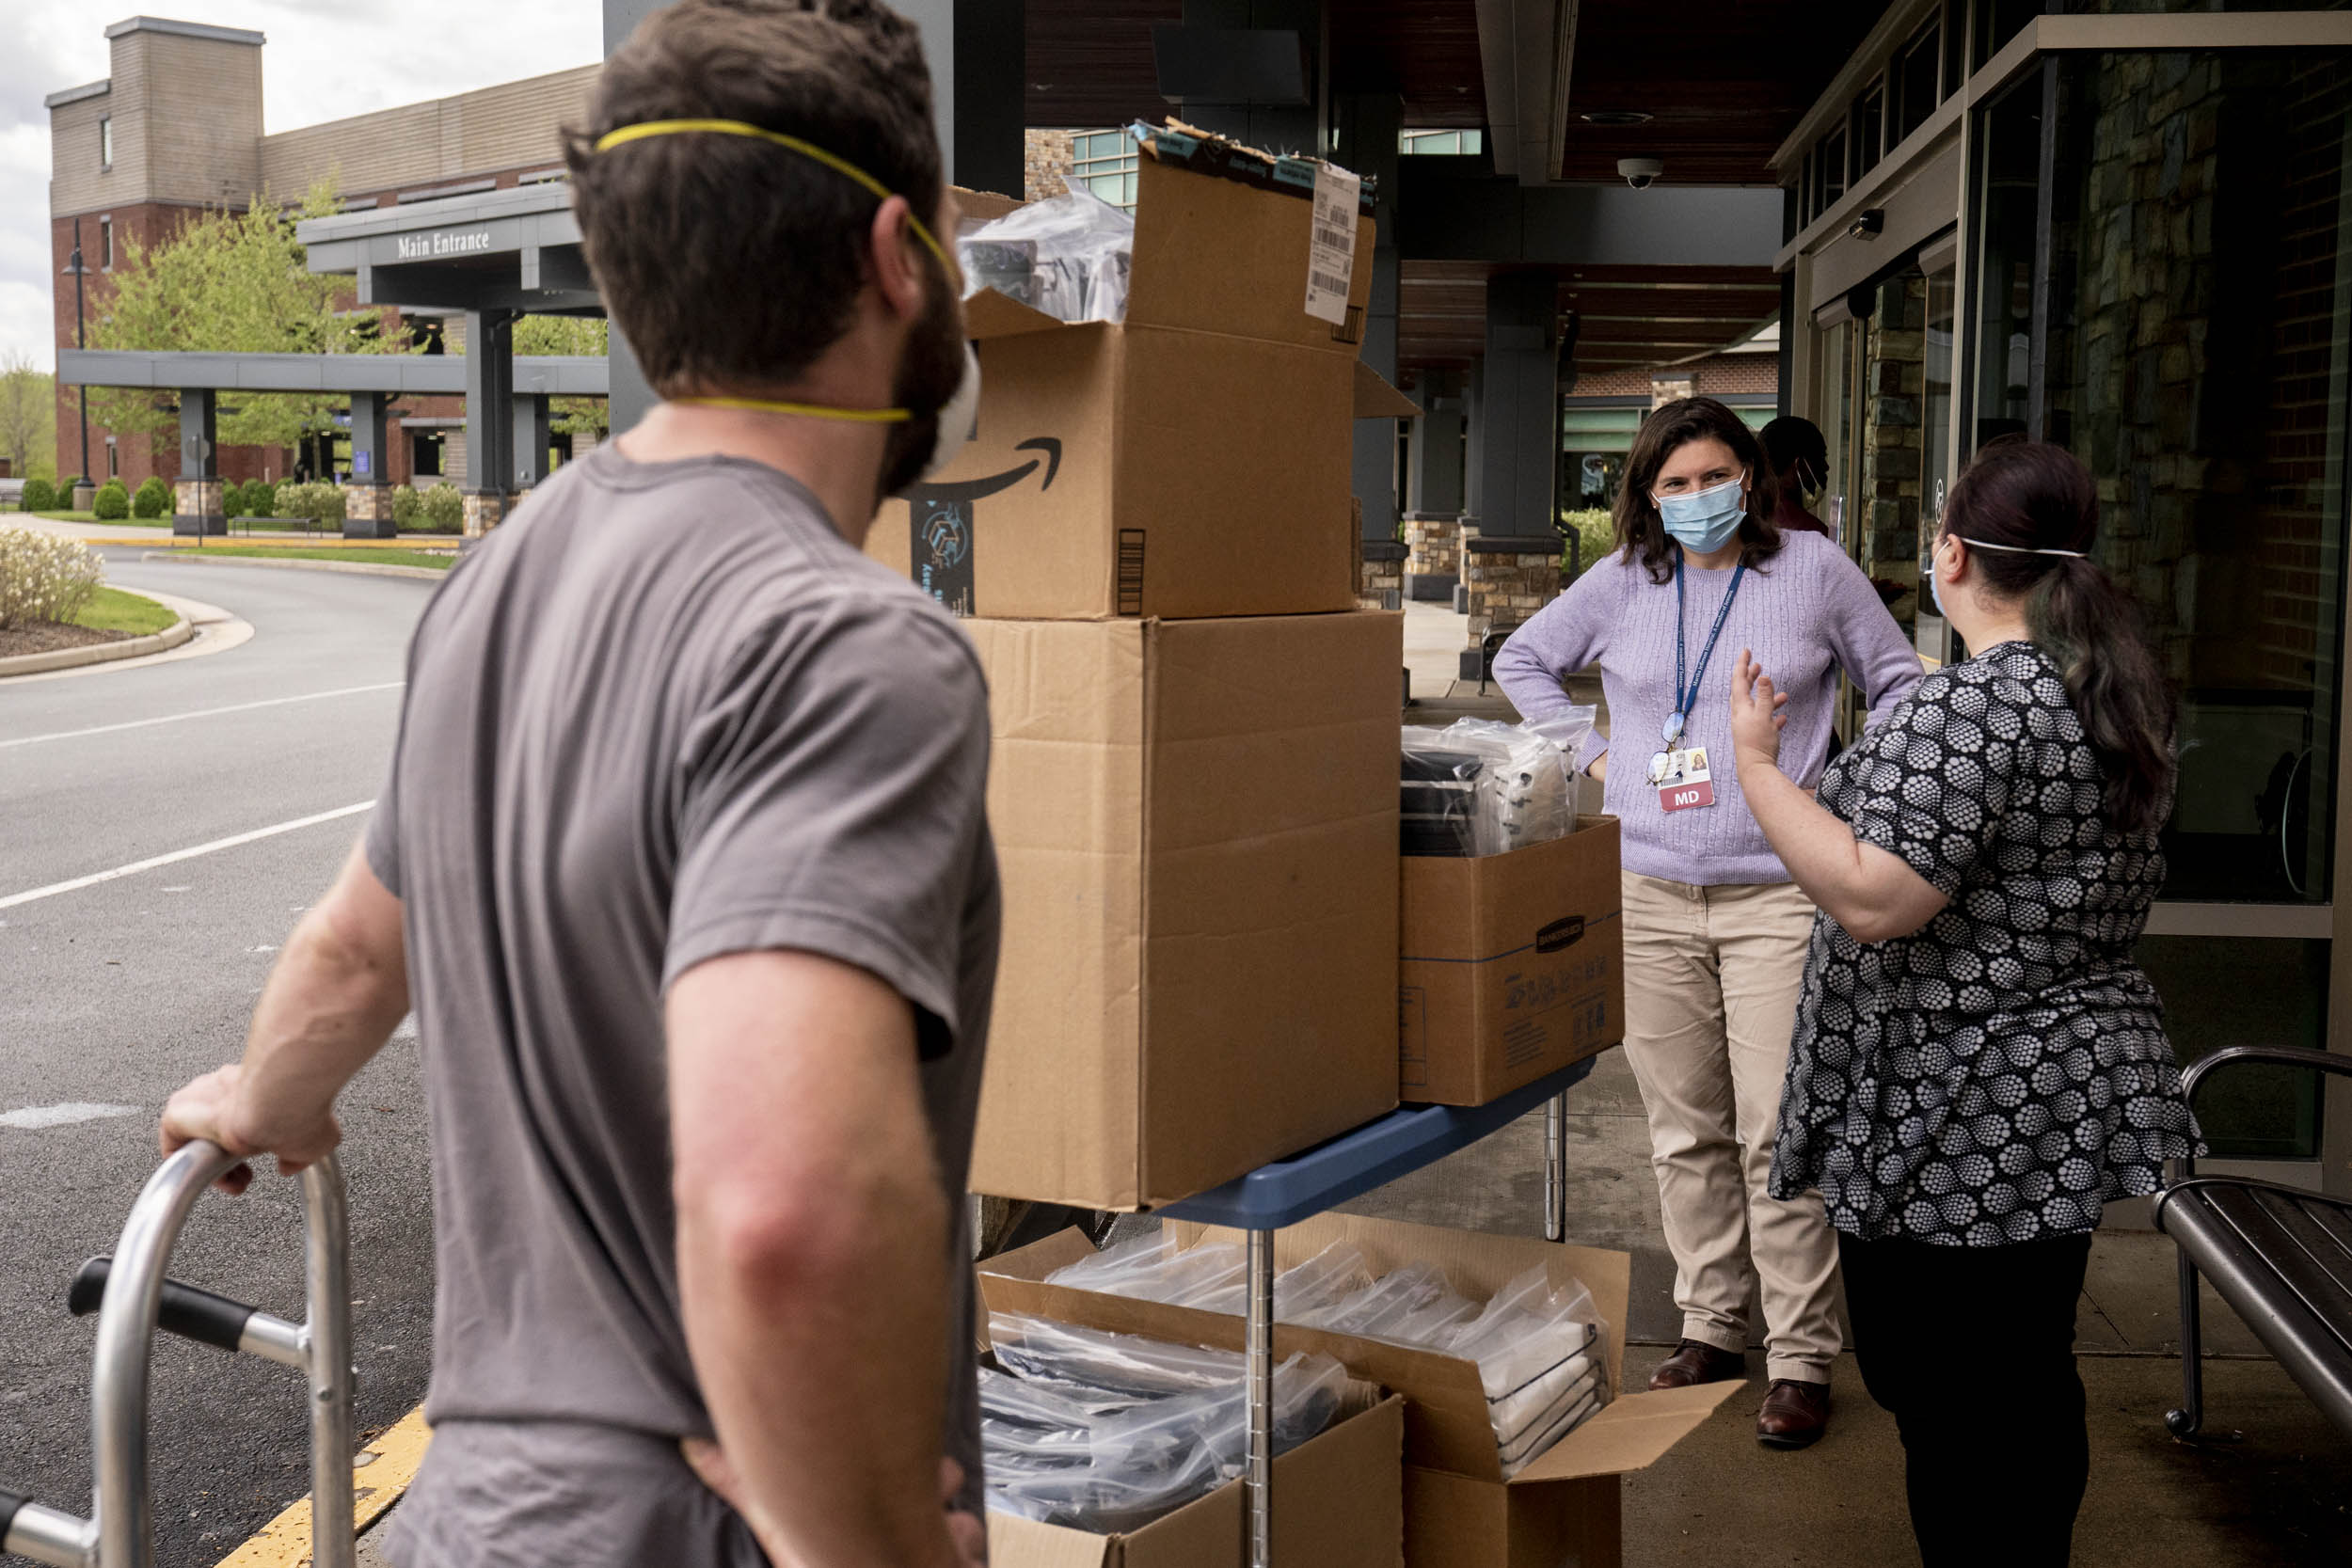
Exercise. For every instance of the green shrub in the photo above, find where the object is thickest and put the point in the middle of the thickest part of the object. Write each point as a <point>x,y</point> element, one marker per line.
<point>112,503</point>
<point>66,487</point>
<point>151,500</point>
<point>44,577</point>
<point>322,504</point>
<point>407,509</point>
<point>40,496</point>
<point>1597,535</point>
<point>232,498</point>
<point>444,509</point>
<point>261,500</point>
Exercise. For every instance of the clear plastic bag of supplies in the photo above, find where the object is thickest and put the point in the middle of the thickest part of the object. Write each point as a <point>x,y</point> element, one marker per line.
<point>1050,1458</point>
<point>1540,1357</point>
<point>1210,1275</point>
<point>1482,788</point>
<point>1068,256</point>
<point>1411,1306</point>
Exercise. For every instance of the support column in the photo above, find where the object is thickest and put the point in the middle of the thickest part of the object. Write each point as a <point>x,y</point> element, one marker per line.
<point>978,66</point>
<point>489,417</point>
<point>195,500</point>
<point>629,396</point>
<point>368,499</point>
<point>1433,483</point>
<point>1474,440</point>
<point>1272,127</point>
<point>1369,124</point>
<point>1519,405</point>
<point>531,441</point>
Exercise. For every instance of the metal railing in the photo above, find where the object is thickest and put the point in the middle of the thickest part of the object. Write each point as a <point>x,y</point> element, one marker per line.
<point>133,1298</point>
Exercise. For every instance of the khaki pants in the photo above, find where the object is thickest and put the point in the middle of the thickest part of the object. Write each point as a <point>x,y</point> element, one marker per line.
<point>1711,977</point>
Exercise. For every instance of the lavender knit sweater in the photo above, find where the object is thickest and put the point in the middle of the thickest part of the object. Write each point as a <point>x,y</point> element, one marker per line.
<point>1807,614</point>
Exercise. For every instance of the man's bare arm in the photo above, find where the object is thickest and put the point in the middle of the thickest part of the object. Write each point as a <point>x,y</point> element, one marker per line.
<point>338,991</point>
<point>813,1243</point>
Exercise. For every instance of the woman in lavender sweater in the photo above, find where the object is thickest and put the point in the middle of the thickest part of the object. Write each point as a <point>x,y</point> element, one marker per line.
<point>1715,931</point>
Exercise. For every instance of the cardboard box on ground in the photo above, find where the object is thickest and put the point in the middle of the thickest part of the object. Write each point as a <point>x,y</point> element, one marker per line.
<point>1340,1505</point>
<point>1561,1511</point>
<point>1513,965</point>
<point>1197,825</point>
<point>1192,461</point>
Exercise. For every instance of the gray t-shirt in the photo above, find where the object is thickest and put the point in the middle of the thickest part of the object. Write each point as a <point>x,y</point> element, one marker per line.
<point>665,714</point>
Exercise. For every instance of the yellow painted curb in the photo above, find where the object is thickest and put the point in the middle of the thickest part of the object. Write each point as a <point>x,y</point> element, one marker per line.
<point>266,541</point>
<point>383,1471</point>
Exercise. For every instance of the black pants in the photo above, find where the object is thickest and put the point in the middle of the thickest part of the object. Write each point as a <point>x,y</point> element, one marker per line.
<point>1972,1351</point>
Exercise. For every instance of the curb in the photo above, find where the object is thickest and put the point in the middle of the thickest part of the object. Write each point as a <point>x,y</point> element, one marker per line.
<point>100,653</point>
<point>357,568</point>
<point>381,1472</point>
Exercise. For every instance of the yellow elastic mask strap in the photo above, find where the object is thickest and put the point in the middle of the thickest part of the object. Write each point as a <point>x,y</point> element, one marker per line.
<point>623,134</point>
<point>808,411</point>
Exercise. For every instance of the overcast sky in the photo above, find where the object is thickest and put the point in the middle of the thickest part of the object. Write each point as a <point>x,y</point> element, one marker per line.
<point>324,59</point>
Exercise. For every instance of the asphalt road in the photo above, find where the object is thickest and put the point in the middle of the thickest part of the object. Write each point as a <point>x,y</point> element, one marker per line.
<point>113,995</point>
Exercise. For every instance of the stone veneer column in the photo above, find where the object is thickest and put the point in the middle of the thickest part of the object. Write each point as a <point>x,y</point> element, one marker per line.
<point>368,511</point>
<point>1509,577</point>
<point>484,511</point>
<point>1380,575</point>
<point>1433,563</point>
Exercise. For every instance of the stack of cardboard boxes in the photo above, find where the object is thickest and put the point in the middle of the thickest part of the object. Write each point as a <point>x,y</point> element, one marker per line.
<point>1193,786</point>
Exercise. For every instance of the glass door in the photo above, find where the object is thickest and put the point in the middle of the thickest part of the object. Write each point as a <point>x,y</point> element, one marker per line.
<point>2174,306</point>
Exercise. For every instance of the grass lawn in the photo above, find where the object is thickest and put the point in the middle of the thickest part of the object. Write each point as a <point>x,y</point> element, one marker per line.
<point>112,609</point>
<point>441,561</point>
<point>69,516</point>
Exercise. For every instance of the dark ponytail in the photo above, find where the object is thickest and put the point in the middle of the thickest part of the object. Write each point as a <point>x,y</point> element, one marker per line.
<point>2028,496</point>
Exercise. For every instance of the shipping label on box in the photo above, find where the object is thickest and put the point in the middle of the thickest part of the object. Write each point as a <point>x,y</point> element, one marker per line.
<point>1513,966</point>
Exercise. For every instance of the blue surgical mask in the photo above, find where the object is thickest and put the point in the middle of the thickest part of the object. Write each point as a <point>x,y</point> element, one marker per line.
<point>1704,521</point>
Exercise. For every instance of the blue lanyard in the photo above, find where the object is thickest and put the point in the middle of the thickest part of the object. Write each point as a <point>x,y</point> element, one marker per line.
<point>1689,694</point>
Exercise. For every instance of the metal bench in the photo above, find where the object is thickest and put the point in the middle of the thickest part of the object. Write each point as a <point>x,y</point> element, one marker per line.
<point>2280,1256</point>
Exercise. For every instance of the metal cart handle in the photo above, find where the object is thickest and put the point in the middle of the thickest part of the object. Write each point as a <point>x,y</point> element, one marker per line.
<point>133,1299</point>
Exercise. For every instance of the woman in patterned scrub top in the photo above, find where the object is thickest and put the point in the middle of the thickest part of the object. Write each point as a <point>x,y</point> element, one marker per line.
<point>1979,1064</point>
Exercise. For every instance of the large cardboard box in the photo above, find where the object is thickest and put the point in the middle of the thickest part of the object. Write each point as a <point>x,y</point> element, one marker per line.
<point>1337,1503</point>
<point>1190,462</point>
<point>1197,825</point>
<point>1561,1511</point>
<point>1513,965</point>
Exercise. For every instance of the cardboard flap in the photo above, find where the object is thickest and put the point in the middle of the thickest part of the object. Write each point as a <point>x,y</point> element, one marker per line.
<point>1630,1433</point>
<point>977,207</point>
<point>1012,1539</point>
<point>1376,399</point>
<point>993,314</point>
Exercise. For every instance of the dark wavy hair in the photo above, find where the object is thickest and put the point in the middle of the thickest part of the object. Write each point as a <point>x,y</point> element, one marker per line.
<point>728,261</point>
<point>1641,533</point>
<point>2032,496</point>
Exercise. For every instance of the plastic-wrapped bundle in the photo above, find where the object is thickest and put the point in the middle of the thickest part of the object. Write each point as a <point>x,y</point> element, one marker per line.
<point>1480,788</point>
<point>1411,1306</point>
<point>1540,1360</point>
<point>1069,256</point>
<point>1115,1469</point>
<point>1209,1277</point>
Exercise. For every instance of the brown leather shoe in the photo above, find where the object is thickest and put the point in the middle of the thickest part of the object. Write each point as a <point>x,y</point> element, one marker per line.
<point>1692,1362</point>
<point>1794,1414</point>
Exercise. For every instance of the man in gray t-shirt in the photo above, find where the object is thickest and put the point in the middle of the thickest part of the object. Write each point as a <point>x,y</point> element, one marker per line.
<point>684,868</point>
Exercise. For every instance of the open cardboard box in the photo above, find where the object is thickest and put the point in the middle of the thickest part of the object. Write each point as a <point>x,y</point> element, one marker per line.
<point>1459,1509</point>
<point>1196,823</point>
<point>1192,461</point>
<point>1513,965</point>
<point>1337,1503</point>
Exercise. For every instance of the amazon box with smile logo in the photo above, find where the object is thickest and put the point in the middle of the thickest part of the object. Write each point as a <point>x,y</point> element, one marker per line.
<point>1513,966</point>
<point>1191,461</point>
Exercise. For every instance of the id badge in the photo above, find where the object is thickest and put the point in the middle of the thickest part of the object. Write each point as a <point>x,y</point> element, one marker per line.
<point>1688,784</point>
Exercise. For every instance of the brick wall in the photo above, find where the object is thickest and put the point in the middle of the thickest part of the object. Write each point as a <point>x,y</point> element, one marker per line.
<point>1046,157</point>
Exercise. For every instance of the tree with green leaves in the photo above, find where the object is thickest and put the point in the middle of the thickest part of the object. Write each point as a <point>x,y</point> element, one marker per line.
<point>28,417</point>
<point>232,283</point>
<point>560,335</point>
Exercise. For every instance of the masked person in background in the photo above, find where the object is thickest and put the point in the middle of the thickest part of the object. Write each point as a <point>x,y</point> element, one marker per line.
<point>1979,1063</point>
<point>1715,932</point>
<point>1800,462</point>
<point>683,863</point>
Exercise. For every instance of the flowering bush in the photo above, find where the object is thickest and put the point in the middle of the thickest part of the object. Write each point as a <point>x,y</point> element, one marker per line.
<point>321,504</point>
<point>44,577</point>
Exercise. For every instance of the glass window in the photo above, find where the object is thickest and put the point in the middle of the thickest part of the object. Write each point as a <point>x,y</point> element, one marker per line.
<point>1869,128</point>
<point>1999,21</point>
<point>1441,143</point>
<point>2246,990</point>
<point>1833,167</point>
<point>2009,158</point>
<point>1105,161</point>
<point>1935,429</point>
<point>1836,420</point>
<point>1955,45</point>
<point>1891,442</point>
<point>1914,75</point>
<point>105,244</point>
<point>106,141</point>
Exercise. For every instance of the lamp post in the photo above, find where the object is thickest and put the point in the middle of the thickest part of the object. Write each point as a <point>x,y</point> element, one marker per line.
<point>79,272</point>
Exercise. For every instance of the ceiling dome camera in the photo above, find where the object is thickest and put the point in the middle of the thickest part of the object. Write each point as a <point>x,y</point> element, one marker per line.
<point>1642,173</point>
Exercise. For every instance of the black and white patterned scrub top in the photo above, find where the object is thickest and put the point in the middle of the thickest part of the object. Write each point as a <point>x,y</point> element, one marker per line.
<point>2000,1073</point>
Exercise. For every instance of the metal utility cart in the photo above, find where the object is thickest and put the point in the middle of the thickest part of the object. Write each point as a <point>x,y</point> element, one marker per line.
<point>1287,1191</point>
<point>133,1299</point>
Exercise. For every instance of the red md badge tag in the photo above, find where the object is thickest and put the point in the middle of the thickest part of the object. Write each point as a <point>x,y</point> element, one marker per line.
<point>1688,784</point>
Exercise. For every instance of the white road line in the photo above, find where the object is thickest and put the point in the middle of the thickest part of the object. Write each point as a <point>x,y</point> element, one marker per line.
<point>65,1115</point>
<point>199,713</point>
<point>188,854</point>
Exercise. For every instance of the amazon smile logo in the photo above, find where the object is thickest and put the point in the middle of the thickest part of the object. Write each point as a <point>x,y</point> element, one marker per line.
<point>939,519</point>
<point>979,489</point>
